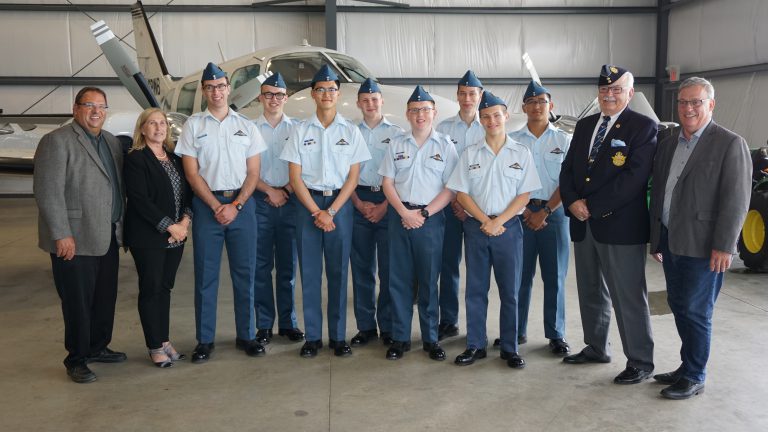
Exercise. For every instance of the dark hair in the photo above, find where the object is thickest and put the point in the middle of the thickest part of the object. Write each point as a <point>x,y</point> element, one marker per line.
<point>84,90</point>
<point>338,84</point>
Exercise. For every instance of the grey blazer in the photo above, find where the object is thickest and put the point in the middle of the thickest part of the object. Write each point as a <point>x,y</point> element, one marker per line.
<point>711,198</point>
<point>73,190</point>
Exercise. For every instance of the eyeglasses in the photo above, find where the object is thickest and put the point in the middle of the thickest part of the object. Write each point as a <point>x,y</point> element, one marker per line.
<point>614,89</point>
<point>91,105</point>
<point>321,90</point>
<point>534,102</point>
<point>494,116</point>
<point>209,88</point>
<point>694,103</point>
<point>277,96</point>
<point>416,111</point>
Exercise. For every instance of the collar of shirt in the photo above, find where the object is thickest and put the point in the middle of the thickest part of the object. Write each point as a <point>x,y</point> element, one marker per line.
<point>507,146</point>
<point>383,122</point>
<point>695,137</point>
<point>263,120</point>
<point>612,121</point>
<point>230,113</point>
<point>550,128</point>
<point>432,137</point>
<point>457,119</point>
<point>338,119</point>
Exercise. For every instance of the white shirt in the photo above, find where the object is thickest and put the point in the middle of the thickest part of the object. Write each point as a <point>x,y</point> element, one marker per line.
<point>548,153</point>
<point>377,140</point>
<point>325,154</point>
<point>494,180</point>
<point>221,147</point>
<point>274,171</point>
<point>611,122</point>
<point>419,173</point>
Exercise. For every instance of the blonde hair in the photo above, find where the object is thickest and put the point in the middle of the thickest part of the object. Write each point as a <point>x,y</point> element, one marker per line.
<point>138,139</point>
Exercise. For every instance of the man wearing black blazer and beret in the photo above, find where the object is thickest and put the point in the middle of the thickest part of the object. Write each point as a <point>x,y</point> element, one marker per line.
<point>603,185</point>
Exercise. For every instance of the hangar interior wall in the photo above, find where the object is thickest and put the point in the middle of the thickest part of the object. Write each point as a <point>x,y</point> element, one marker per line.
<point>718,34</point>
<point>392,45</point>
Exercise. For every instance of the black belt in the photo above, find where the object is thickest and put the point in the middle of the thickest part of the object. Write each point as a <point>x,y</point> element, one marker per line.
<point>227,193</point>
<point>538,202</point>
<point>410,206</point>
<point>325,193</point>
<point>369,188</point>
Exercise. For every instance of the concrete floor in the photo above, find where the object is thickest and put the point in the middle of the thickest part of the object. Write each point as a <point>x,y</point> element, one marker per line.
<point>284,392</point>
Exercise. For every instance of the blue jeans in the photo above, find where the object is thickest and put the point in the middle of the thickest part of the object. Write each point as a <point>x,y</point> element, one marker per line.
<point>551,245</point>
<point>692,289</point>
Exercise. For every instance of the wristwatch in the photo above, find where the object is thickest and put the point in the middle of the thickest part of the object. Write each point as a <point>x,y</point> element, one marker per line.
<point>238,206</point>
<point>424,213</point>
<point>547,210</point>
<point>331,211</point>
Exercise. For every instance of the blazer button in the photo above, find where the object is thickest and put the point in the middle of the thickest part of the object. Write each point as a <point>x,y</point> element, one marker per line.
<point>587,179</point>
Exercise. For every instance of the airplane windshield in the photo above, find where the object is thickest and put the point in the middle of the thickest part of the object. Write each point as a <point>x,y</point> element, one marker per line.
<point>351,67</point>
<point>297,69</point>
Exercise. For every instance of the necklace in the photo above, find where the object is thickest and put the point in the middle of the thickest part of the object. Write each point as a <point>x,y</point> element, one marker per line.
<point>160,156</point>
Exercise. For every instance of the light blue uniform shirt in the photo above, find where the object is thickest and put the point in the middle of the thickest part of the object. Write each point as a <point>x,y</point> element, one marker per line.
<point>325,154</point>
<point>420,174</point>
<point>462,135</point>
<point>548,153</point>
<point>221,147</point>
<point>274,171</point>
<point>378,140</point>
<point>492,180</point>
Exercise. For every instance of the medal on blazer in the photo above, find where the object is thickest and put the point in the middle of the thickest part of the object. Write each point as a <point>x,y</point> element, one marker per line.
<point>619,159</point>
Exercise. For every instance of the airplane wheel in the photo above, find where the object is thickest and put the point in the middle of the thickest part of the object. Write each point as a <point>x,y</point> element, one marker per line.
<point>753,242</point>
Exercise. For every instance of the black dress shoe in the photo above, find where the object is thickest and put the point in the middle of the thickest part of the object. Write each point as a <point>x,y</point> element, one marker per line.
<point>251,347</point>
<point>632,375</point>
<point>107,356</point>
<point>264,336</point>
<point>581,358</point>
<point>559,347</point>
<point>386,338</point>
<point>81,374</point>
<point>669,378</point>
<point>446,331</point>
<point>683,389</point>
<point>309,349</point>
<point>340,348</point>
<point>202,352</point>
<point>293,334</point>
<point>436,352</point>
<point>470,355</point>
<point>520,341</point>
<point>514,360</point>
<point>397,350</point>
<point>363,337</point>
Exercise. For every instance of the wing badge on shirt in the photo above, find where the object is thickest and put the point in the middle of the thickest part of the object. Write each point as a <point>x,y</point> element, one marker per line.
<point>437,157</point>
<point>516,166</point>
<point>240,133</point>
<point>342,142</point>
<point>557,150</point>
<point>386,141</point>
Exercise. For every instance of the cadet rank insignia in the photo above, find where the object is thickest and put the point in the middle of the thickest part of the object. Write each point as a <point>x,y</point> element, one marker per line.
<point>619,159</point>
<point>342,142</point>
<point>557,150</point>
<point>437,157</point>
<point>516,166</point>
<point>240,133</point>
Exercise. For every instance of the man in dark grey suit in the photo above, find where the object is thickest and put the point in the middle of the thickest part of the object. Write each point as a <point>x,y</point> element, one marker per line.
<point>79,193</point>
<point>701,191</point>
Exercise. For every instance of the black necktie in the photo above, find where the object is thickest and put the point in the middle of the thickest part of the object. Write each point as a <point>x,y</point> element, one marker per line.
<point>598,139</point>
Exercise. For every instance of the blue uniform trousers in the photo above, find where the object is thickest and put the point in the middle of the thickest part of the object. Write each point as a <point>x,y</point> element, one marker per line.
<point>209,238</point>
<point>370,243</point>
<point>692,290</point>
<point>276,249</point>
<point>503,253</point>
<point>314,245</point>
<point>551,245</point>
<point>415,255</point>
<point>449,270</point>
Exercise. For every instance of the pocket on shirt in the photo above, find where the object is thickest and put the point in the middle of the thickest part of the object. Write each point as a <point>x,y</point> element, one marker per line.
<point>553,163</point>
<point>436,165</point>
<point>513,174</point>
<point>310,156</point>
<point>342,154</point>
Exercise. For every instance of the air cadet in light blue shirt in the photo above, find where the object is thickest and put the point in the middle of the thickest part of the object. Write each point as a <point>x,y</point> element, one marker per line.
<point>464,130</point>
<point>325,152</point>
<point>415,169</point>
<point>276,217</point>
<point>545,231</point>
<point>220,152</point>
<point>370,239</point>
<point>493,181</point>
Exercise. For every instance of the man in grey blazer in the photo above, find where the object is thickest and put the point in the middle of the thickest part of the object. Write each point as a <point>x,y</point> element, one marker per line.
<point>701,190</point>
<point>80,197</point>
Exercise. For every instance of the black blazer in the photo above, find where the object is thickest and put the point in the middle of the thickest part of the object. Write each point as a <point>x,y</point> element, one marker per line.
<point>616,186</point>
<point>150,198</point>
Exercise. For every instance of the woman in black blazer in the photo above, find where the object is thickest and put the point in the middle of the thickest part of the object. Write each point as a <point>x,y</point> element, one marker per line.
<point>157,220</point>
